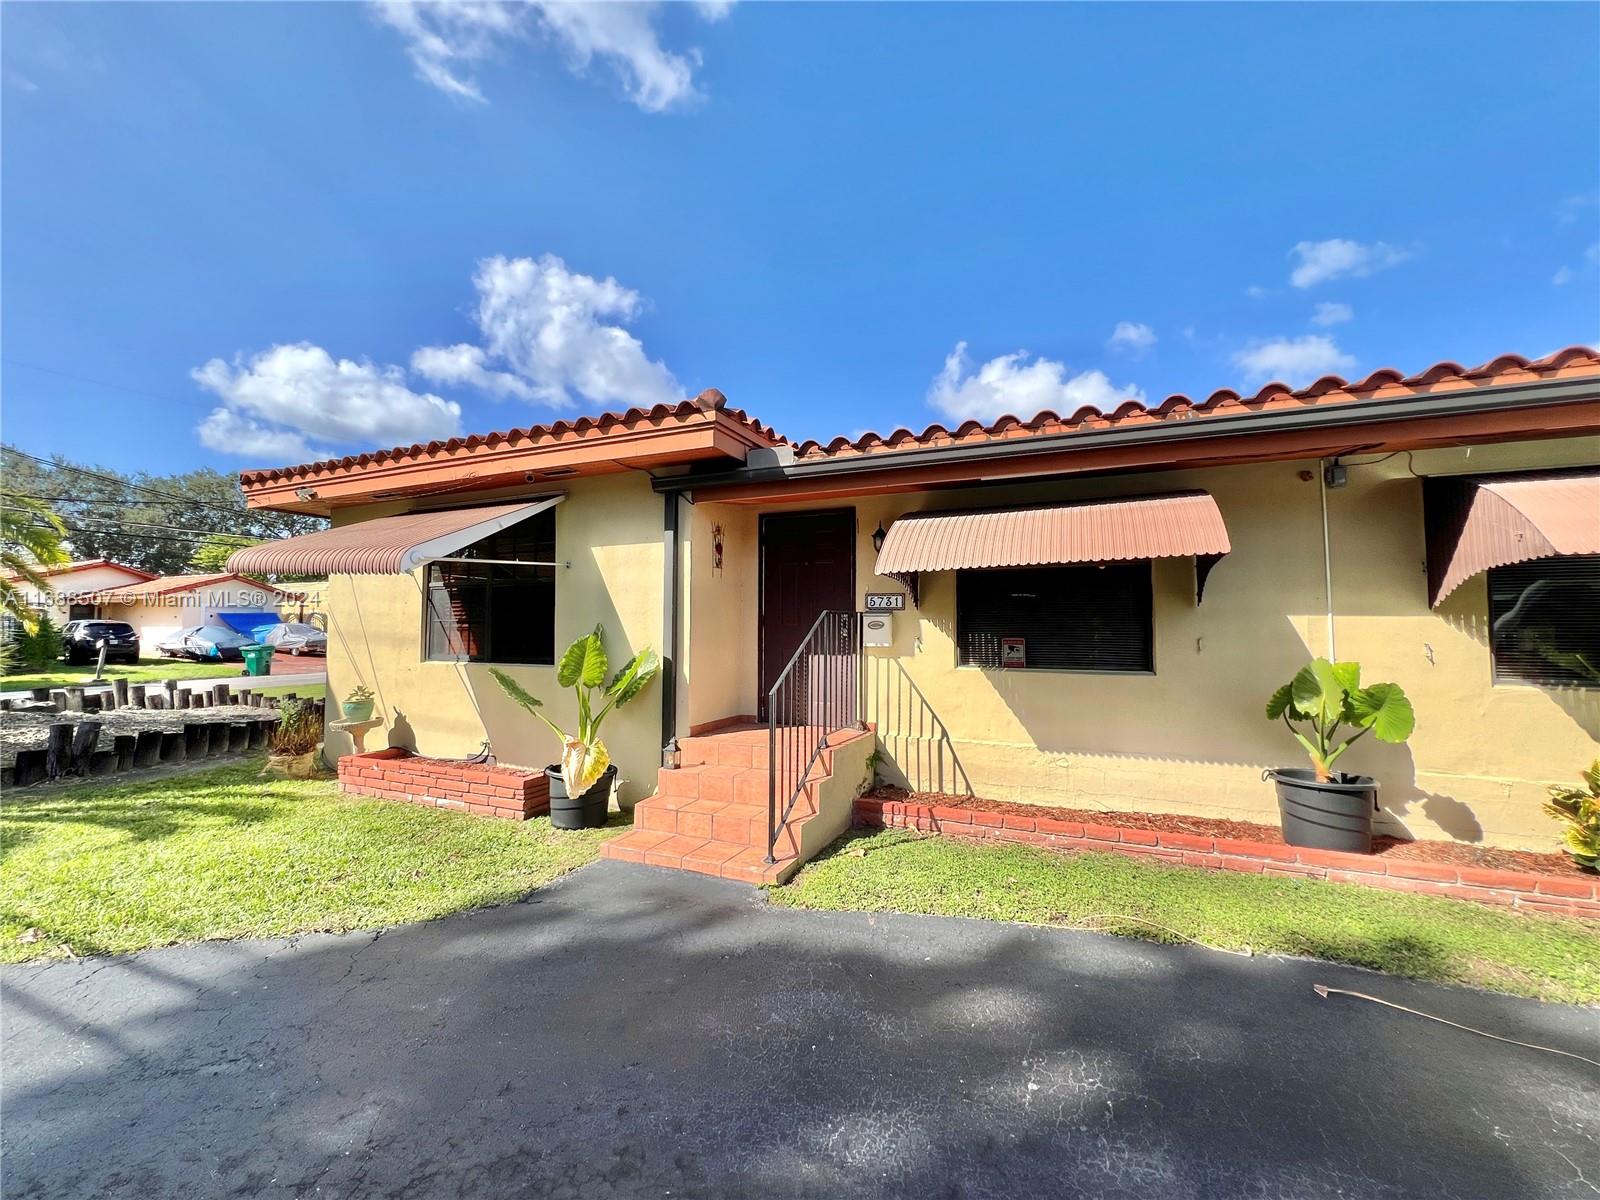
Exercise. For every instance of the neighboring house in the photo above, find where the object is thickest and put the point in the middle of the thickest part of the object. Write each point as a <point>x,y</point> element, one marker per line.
<point>1096,606</point>
<point>73,587</point>
<point>157,606</point>
<point>162,606</point>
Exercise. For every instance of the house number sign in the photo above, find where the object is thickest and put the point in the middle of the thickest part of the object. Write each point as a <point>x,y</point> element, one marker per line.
<point>886,601</point>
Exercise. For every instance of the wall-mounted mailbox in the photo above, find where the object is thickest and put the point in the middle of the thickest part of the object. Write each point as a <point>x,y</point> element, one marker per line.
<point>877,629</point>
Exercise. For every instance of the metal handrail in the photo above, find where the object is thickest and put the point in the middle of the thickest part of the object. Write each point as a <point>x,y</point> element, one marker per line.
<point>821,683</point>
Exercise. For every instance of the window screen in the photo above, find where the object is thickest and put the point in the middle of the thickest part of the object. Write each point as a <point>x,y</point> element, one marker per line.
<point>1544,618</point>
<point>492,612</point>
<point>1079,618</point>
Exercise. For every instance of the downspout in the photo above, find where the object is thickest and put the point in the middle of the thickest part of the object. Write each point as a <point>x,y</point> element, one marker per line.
<point>1327,555</point>
<point>671,575</point>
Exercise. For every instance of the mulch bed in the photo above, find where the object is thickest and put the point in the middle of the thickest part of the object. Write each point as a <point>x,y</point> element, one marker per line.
<point>1459,853</point>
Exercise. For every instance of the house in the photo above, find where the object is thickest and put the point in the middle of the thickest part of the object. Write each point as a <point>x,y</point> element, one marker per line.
<point>1085,609</point>
<point>157,606</point>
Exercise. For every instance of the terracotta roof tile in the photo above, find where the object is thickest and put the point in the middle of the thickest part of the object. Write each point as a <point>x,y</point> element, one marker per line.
<point>1330,389</point>
<point>532,435</point>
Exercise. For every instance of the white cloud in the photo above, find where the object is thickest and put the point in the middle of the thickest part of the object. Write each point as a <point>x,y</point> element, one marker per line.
<point>464,364</point>
<point>1338,257</point>
<point>546,336</point>
<point>1298,361</point>
<point>1256,292</point>
<point>1332,313</point>
<point>1562,277</point>
<point>448,39</point>
<point>1132,337</point>
<point>1012,384</point>
<point>287,400</point>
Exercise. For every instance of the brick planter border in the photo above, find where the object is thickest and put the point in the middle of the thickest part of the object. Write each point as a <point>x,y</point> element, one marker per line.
<point>443,783</point>
<point>1574,896</point>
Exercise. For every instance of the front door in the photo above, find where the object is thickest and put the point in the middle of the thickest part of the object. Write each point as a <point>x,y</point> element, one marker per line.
<point>808,566</point>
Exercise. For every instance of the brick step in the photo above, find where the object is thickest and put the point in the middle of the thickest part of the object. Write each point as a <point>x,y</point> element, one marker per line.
<point>705,856</point>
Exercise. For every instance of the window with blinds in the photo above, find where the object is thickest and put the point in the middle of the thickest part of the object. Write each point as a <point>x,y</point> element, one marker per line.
<point>491,611</point>
<point>1094,617</point>
<point>1544,621</point>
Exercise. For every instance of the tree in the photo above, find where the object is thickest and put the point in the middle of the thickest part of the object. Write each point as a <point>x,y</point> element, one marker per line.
<point>155,522</point>
<point>30,539</point>
<point>211,555</point>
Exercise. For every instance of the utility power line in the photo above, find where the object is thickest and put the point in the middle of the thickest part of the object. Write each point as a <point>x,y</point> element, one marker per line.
<point>172,497</point>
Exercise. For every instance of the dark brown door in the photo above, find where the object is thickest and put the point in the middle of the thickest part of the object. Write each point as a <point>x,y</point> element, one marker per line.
<point>808,566</point>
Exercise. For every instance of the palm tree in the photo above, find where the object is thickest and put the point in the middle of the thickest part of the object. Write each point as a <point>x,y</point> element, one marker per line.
<point>30,538</point>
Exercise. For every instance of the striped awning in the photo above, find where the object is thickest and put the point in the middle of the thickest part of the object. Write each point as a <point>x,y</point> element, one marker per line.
<point>385,545</point>
<point>1178,525</point>
<point>1476,523</point>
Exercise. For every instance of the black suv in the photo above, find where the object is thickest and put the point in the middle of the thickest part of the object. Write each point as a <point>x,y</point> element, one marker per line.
<point>80,641</point>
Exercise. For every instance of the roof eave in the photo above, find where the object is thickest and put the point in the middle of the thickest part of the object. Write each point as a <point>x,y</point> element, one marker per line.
<point>1529,398</point>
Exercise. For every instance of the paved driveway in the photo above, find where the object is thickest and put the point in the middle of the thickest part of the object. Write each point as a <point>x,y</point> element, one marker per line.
<point>636,1032</point>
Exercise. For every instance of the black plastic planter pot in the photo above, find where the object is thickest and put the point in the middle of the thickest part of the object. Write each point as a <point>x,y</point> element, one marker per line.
<point>587,811</point>
<point>1336,815</point>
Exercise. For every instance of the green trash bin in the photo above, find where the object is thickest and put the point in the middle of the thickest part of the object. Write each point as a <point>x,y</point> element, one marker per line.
<point>257,659</point>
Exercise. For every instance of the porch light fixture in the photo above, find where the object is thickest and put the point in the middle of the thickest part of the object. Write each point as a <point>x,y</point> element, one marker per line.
<point>877,538</point>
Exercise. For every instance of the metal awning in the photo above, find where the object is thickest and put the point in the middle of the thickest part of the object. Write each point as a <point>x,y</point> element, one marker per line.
<point>1476,523</point>
<point>1178,525</point>
<point>385,545</point>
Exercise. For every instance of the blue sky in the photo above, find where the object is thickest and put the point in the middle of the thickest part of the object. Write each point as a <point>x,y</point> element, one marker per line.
<point>240,234</point>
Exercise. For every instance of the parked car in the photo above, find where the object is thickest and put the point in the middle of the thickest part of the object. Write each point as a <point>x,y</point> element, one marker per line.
<point>206,642</point>
<point>80,641</point>
<point>296,637</point>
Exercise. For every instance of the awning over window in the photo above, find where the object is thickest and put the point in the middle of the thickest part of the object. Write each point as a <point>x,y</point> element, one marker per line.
<point>386,545</point>
<point>1172,526</point>
<point>1475,523</point>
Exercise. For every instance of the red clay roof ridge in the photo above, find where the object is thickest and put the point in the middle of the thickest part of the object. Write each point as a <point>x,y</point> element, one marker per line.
<point>1180,407</point>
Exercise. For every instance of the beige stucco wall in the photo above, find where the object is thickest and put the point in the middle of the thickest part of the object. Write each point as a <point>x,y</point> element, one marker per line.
<point>1191,737</point>
<point>609,530</point>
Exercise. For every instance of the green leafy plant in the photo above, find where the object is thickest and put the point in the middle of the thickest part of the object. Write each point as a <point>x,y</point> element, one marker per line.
<point>583,668</point>
<point>1326,699</point>
<point>359,694</point>
<point>30,540</point>
<point>41,645</point>
<point>299,728</point>
<point>1579,808</point>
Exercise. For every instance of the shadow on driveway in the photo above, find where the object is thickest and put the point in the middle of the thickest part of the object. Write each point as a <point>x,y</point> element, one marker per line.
<point>635,1032</point>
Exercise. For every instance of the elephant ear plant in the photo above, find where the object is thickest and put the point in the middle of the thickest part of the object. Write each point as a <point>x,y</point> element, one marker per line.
<point>583,668</point>
<point>1327,710</point>
<point>1326,698</point>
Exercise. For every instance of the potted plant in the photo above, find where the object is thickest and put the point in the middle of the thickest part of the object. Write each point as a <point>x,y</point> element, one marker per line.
<point>581,783</point>
<point>357,706</point>
<point>1318,807</point>
<point>296,745</point>
<point>1579,808</point>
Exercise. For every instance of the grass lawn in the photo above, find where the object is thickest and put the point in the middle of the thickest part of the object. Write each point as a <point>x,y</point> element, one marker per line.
<point>226,853</point>
<point>145,670</point>
<point>1425,937</point>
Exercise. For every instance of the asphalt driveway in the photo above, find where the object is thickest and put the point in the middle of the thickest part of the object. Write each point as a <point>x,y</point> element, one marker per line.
<point>635,1032</point>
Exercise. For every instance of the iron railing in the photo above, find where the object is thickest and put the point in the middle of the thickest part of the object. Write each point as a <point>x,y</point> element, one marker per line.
<point>817,694</point>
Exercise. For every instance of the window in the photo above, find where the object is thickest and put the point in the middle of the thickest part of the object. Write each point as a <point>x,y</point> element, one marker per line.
<point>1081,618</point>
<point>1544,621</point>
<point>496,610</point>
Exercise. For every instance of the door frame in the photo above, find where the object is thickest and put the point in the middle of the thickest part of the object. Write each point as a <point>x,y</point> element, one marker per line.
<point>761,582</point>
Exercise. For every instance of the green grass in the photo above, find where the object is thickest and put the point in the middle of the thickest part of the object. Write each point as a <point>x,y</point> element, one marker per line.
<point>1424,937</point>
<point>145,670</point>
<point>226,854</point>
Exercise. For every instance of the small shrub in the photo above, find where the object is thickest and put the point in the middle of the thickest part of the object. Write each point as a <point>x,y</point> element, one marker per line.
<point>41,646</point>
<point>299,728</point>
<point>1579,809</point>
